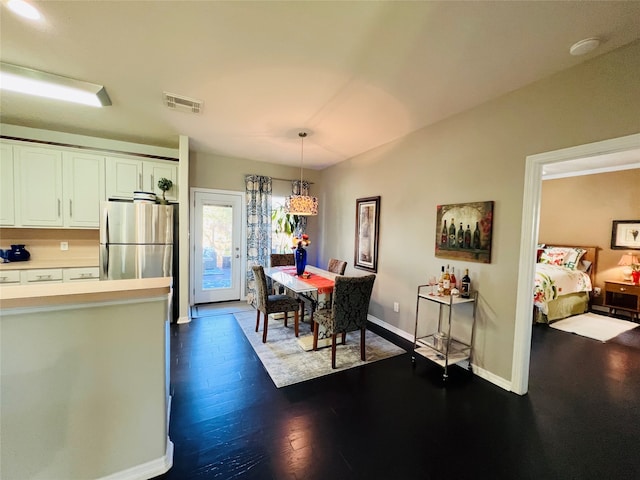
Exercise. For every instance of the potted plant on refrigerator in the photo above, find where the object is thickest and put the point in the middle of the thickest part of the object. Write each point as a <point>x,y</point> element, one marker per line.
<point>164,184</point>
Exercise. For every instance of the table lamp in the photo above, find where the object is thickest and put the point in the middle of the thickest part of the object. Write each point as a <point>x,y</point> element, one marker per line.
<point>626,261</point>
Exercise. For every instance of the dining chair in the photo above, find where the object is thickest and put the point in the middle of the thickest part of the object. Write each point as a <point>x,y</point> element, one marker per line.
<point>337,266</point>
<point>268,304</point>
<point>281,260</point>
<point>348,312</point>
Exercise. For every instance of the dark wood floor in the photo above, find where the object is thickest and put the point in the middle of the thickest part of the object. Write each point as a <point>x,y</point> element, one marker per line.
<point>387,420</point>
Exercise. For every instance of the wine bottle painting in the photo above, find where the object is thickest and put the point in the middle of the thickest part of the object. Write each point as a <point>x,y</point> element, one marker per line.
<point>463,231</point>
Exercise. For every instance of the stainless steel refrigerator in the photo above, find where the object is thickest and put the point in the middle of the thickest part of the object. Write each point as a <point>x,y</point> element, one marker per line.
<point>136,240</point>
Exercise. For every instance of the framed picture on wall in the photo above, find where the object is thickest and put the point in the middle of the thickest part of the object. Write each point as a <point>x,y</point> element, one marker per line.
<point>463,231</point>
<point>367,227</point>
<point>625,235</point>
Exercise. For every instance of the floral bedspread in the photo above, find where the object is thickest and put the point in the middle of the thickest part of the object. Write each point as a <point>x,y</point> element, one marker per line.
<point>553,281</point>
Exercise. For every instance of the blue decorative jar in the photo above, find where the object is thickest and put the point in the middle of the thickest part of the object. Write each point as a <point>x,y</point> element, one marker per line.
<point>301,259</point>
<point>18,254</point>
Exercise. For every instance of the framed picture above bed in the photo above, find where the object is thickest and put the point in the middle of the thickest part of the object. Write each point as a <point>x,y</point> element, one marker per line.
<point>625,235</point>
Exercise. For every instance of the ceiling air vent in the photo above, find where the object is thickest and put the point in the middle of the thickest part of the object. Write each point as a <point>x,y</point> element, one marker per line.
<point>184,104</point>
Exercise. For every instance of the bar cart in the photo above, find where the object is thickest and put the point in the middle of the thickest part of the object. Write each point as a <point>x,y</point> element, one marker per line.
<point>439,346</point>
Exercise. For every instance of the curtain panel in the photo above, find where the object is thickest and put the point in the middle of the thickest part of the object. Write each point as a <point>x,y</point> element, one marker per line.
<point>258,196</point>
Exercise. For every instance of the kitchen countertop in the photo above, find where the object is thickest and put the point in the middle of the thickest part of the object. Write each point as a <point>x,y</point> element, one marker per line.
<point>58,263</point>
<point>27,296</point>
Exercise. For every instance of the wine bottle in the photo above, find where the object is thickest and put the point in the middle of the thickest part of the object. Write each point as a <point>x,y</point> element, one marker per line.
<point>461,236</point>
<point>441,281</point>
<point>476,237</point>
<point>452,234</point>
<point>453,278</point>
<point>467,238</point>
<point>444,237</point>
<point>446,282</point>
<point>465,285</point>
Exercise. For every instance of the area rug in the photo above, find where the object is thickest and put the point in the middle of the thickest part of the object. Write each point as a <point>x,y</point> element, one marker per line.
<point>592,325</point>
<point>287,363</point>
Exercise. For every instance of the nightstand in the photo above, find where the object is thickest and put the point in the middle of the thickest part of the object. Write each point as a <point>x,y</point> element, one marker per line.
<point>622,296</point>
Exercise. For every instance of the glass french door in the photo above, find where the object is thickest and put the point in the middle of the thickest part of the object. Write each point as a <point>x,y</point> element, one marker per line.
<point>217,247</point>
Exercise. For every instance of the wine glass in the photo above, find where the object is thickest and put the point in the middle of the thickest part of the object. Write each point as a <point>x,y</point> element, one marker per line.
<point>432,283</point>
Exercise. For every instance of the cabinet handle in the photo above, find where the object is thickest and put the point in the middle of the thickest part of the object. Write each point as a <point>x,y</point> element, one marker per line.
<point>153,182</point>
<point>622,289</point>
<point>59,207</point>
<point>44,277</point>
<point>140,180</point>
<point>70,208</point>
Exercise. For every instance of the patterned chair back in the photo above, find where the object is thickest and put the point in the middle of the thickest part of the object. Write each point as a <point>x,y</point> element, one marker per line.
<point>351,296</point>
<point>282,259</point>
<point>337,266</point>
<point>261,286</point>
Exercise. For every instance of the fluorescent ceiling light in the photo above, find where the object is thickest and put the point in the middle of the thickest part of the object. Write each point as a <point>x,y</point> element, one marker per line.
<point>23,9</point>
<point>42,84</point>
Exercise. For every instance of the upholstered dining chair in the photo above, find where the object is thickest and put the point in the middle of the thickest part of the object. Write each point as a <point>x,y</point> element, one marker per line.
<point>281,260</point>
<point>348,312</point>
<point>337,266</point>
<point>268,304</point>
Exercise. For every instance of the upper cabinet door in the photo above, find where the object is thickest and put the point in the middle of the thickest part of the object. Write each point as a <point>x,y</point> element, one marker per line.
<point>7,208</point>
<point>39,182</point>
<point>84,189</point>
<point>124,176</point>
<point>154,171</point>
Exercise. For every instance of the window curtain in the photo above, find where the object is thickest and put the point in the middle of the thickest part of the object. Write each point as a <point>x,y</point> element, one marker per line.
<point>299,187</point>
<point>258,196</point>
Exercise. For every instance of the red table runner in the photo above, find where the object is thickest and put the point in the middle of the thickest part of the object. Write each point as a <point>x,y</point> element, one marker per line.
<point>324,285</point>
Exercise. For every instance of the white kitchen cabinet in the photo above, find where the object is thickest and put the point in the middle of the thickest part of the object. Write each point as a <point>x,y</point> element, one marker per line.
<point>127,175</point>
<point>7,204</point>
<point>38,184</point>
<point>154,171</point>
<point>10,277</point>
<point>84,189</point>
<point>44,275</point>
<point>80,274</point>
<point>54,188</point>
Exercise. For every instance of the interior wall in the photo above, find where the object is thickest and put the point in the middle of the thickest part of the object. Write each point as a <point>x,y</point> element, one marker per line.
<point>580,211</point>
<point>227,173</point>
<point>477,155</point>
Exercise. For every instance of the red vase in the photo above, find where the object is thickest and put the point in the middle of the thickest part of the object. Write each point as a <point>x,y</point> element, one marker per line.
<point>636,276</point>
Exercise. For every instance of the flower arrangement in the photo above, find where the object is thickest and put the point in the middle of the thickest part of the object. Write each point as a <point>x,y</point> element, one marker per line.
<point>303,241</point>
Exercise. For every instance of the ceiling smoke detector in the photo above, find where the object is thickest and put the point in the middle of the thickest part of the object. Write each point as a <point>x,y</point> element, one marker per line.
<point>179,102</point>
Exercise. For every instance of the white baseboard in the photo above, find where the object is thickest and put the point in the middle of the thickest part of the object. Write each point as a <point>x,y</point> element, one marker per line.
<point>146,470</point>
<point>481,372</point>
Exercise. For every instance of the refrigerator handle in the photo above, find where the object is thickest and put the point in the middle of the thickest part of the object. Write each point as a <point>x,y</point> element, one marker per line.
<point>104,225</point>
<point>104,268</point>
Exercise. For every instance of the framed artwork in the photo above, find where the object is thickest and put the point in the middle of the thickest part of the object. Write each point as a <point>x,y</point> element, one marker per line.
<point>367,227</point>
<point>463,231</point>
<point>625,235</point>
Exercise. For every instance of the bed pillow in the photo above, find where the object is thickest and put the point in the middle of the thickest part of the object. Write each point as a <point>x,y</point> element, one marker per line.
<point>584,266</point>
<point>553,256</point>
<point>572,259</point>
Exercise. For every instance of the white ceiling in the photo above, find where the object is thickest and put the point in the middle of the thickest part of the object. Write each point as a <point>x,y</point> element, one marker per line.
<point>355,75</point>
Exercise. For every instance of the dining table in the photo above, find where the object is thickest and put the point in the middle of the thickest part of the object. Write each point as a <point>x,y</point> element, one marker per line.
<point>315,287</point>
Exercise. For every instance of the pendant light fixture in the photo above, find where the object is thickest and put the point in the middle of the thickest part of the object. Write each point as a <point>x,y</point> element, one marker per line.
<point>301,204</point>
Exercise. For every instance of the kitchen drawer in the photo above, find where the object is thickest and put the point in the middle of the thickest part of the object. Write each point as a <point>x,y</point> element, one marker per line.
<point>47,275</point>
<point>80,274</point>
<point>10,277</point>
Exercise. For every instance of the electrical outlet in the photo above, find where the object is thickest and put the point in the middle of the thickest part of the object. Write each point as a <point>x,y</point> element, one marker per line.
<point>64,246</point>
<point>596,291</point>
<point>396,307</point>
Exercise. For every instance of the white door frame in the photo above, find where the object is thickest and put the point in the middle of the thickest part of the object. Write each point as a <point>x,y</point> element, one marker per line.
<point>192,245</point>
<point>529,236</point>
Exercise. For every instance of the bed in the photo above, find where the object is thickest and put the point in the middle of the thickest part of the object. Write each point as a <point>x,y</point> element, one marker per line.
<point>563,282</point>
